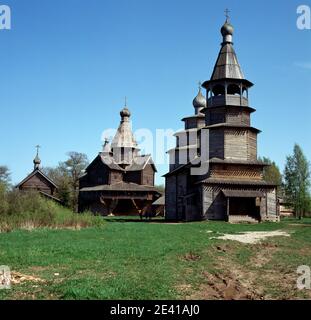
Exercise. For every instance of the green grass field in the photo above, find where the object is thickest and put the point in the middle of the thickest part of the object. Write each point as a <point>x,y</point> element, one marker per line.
<point>142,260</point>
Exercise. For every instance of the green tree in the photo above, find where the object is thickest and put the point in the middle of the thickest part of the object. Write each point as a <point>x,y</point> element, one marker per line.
<point>66,176</point>
<point>62,180</point>
<point>5,176</point>
<point>272,173</point>
<point>297,181</point>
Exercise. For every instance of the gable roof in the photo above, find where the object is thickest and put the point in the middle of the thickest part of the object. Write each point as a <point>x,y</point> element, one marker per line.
<point>106,160</point>
<point>37,171</point>
<point>140,162</point>
<point>110,162</point>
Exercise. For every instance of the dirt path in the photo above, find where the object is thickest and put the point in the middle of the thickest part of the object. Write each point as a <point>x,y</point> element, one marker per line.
<point>253,237</point>
<point>256,278</point>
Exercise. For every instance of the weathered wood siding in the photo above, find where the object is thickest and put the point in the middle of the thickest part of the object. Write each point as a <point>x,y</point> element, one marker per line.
<point>214,203</point>
<point>194,205</point>
<point>237,116</point>
<point>148,175</point>
<point>201,122</point>
<point>252,146</point>
<point>170,198</point>
<point>207,200</point>
<point>235,144</point>
<point>37,182</point>
<point>190,123</point>
<point>246,119</point>
<point>271,204</point>
<point>98,174</point>
<point>263,207</point>
<point>115,176</point>
<point>236,172</point>
<point>214,116</point>
<point>216,143</point>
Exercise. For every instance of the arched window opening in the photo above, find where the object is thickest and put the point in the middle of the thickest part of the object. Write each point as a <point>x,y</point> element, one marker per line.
<point>208,93</point>
<point>245,92</point>
<point>234,89</point>
<point>218,90</point>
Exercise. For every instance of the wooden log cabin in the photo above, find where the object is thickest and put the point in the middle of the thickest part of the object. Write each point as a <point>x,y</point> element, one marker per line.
<point>119,181</point>
<point>219,138</point>
<point>38,181</point>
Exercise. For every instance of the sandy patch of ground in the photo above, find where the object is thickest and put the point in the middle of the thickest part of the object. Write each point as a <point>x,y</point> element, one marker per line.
<point>252,237</point>
<point>17,277</point>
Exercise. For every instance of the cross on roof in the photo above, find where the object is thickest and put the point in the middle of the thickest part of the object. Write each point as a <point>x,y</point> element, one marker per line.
<point>38,147</point>
<point>227,11</point>
<point>125,101</point>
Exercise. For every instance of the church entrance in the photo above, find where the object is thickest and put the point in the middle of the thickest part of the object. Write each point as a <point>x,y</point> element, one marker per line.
<point>125,207</point>
<point>244,206</point>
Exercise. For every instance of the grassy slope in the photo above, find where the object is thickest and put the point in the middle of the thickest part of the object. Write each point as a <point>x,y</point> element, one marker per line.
<point>132,260</point>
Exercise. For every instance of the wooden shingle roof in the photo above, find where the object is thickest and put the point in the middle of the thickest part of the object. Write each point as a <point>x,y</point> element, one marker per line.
<point>121,186</point>
<point>242,194</point>
<point>37,171</point>
<point>227,65</point>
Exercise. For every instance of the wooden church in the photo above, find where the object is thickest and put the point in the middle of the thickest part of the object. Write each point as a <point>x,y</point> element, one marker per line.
<point>38,181</point>
<point>214,171</point>
<point>119,181</point>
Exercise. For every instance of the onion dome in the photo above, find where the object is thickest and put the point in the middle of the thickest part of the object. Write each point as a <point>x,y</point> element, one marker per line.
<point>125,112</point>
<point>37,160</point>
<point>227,29</point>
<point>199,102</point>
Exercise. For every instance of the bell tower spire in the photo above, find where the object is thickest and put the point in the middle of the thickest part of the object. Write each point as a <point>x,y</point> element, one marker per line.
<point>228,111</point>
<point>124,145</point>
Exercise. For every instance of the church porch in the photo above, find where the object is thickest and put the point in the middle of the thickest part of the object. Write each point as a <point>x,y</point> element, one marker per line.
<point>118,202</point>
<point>243,205</point>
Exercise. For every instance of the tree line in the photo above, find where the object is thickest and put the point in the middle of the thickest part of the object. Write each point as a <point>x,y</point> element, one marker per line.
<point>293,185</point>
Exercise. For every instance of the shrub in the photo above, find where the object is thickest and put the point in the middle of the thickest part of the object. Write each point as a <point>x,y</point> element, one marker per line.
<point>29,210</point>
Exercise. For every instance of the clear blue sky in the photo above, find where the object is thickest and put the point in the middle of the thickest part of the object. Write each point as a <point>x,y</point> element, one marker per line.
<point>66,66</point>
